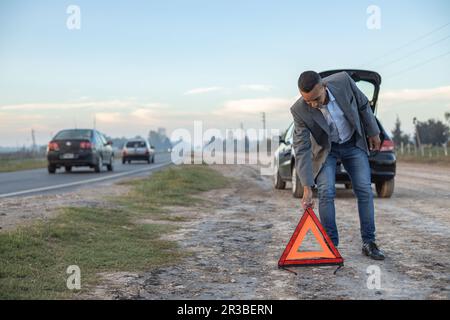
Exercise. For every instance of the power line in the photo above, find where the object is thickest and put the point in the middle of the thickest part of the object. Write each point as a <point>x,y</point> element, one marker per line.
<point>412,53</point>
<point>405,45</point>
<point>417,65</point>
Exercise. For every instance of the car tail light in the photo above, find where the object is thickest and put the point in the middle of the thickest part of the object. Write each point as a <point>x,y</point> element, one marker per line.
<point>53,146</point>
<point>388,145</point>
<point>85,145</point>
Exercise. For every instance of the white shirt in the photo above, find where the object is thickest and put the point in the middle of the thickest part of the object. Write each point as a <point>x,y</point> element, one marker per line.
<point>340,129</point>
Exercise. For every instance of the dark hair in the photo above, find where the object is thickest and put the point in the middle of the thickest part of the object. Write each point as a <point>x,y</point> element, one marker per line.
<point>308,81</point>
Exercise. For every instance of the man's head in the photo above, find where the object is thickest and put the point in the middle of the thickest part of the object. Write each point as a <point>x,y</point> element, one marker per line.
<point>312,89</point>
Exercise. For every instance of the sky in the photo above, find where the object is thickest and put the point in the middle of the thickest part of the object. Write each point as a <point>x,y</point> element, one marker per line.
<point>135,66</point>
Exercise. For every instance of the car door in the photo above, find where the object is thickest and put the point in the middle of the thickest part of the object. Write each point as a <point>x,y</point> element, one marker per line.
<point>100,146</point>
<point>285,154</point>
<point>107,149</point>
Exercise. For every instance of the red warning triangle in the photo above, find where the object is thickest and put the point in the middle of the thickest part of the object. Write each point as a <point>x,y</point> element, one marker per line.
<point>296,255</point>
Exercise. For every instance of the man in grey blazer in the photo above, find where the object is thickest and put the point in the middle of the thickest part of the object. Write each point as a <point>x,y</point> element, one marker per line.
<point>333,120</point>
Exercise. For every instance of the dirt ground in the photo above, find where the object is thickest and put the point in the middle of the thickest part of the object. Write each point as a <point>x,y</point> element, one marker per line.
<point>237,237</point>
<point>237,240</point>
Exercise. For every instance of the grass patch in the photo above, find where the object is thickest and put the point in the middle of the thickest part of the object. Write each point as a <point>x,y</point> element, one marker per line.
<point>172,187</point>
<point>11,165</point>
<point>34,259</point>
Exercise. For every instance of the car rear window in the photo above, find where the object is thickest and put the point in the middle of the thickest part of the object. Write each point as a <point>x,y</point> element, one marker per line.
<point>136,144</point>
<point>73,134</point>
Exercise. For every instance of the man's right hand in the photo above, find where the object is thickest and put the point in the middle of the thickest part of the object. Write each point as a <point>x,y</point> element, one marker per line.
<point>307,201</point>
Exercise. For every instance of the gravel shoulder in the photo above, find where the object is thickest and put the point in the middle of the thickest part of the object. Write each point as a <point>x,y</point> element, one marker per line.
<point>235,238</point>
<point>236,241</point>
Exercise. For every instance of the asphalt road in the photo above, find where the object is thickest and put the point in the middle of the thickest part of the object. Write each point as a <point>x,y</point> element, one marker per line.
<point>39,181</point>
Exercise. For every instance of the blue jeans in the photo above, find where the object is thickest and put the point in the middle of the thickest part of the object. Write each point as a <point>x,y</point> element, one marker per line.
<point>356,163</point>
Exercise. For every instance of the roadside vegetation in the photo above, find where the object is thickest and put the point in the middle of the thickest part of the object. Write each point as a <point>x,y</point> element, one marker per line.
<point>429,144</point>
<point>23,159</point>
<point>34,258</point>
<point>433,155</point>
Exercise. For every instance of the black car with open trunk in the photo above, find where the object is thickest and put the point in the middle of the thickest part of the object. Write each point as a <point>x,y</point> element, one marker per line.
<point>382,163</point>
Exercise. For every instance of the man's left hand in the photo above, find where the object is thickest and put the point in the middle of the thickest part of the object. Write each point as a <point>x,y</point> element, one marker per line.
<point>375,143</point>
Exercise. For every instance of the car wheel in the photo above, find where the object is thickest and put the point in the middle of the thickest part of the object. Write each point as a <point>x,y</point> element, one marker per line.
<point>68,168</point>
<point>98,167</point>
<point>385,189</point>
<point>153,159</point>
<point>110,166</point>
<point>278,182</point>
<point>149,160</point>
<point>51,169</point>
<point>297,188</point>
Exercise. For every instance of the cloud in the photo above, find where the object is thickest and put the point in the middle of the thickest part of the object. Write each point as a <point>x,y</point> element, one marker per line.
<point>255,106</point>
<point>392,97</point>
<point>114,117</point>
<point>91,105</point>
<point>256,87</point>
<point>108,117</point>
<point>8,119</point>
<point>202,90</point>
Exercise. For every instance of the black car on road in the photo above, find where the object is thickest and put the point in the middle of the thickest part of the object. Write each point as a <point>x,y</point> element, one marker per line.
<point>78,148</point>
<point>382,163</point>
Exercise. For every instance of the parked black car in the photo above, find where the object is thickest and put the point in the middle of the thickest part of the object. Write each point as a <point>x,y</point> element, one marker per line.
<point>382,163</point>
<point>79,147</point>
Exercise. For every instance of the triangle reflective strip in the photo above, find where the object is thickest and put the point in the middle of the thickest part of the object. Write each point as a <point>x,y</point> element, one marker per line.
<point>294,252</point>
<point>292,256</point>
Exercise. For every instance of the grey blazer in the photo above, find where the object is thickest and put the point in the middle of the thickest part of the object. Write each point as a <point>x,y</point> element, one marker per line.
<point>311,134</point>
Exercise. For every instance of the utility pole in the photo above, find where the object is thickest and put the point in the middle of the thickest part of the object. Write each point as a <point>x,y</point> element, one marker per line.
<point>33,139</point>
<point>264,120</point>
<point>264,125</point>
<point>418,136</point>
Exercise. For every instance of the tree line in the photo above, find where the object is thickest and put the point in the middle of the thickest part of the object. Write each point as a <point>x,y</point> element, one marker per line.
<point>430,132</point>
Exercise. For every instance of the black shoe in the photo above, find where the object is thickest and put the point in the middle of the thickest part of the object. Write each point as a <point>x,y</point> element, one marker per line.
<point>371,250</point>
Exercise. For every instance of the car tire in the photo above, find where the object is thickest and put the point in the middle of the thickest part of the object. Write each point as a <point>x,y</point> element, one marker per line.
<point>297,188</point>
<point>51,169</point>
<point>110,166</point>
<point>99,166</point>
<point>278,182</point>
<point>153,159</point>
<point>68,168</point>
<point>385,189</point>
<point>149,160</point>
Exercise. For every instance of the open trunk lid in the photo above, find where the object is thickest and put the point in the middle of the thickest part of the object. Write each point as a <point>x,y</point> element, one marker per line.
<point>363,78</point>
